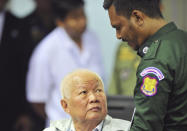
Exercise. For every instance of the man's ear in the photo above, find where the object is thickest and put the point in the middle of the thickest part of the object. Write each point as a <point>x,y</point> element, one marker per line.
<point>64,105</point>
<point>137,17</point>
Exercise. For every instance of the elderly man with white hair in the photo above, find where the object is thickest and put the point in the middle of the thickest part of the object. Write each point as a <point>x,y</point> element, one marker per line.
<point>83,98</point>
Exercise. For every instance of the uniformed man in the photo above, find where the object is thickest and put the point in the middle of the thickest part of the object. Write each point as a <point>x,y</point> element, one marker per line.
<point>161,88</point>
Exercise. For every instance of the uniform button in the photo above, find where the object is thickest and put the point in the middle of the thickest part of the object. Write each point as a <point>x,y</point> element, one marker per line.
<point>145,49</point>
<point>156,41</point>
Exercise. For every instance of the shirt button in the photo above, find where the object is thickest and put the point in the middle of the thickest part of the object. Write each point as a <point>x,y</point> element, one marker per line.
<point>145,49</point>
<point>156,41</point>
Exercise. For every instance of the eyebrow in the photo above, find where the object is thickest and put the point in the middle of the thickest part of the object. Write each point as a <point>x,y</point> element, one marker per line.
<point>115,26</point>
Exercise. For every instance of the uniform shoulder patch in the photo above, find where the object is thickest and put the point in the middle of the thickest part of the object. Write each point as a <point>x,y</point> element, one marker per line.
<point>152,70</point>
<point>149,86</point>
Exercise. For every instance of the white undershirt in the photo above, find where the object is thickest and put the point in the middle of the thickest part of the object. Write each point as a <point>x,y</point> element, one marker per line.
<point>2,19</point>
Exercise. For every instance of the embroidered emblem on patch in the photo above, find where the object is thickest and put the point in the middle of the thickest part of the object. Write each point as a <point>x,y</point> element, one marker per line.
<point>149,86</point>
<point>152,70</point>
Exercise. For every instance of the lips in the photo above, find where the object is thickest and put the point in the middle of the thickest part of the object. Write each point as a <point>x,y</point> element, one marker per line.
<point>97,108</point>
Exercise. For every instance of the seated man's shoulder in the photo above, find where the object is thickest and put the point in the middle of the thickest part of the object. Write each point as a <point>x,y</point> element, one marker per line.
<point>59,125</point>
<point>114,124</point>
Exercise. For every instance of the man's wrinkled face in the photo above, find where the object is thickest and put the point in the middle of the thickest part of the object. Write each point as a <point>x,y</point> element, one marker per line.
<point>87,101</point>
<point>125,29</point>
<point>75,22</point>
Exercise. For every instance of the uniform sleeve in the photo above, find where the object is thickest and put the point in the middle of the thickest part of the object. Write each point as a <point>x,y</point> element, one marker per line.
<point>38,78</point>
<point>151,95</point>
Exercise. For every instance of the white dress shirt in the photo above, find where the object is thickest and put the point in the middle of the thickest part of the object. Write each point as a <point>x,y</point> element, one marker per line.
<point>108,124</point>
<point>56,56</point>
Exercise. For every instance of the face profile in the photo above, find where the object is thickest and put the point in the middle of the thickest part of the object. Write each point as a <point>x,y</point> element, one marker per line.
<point>128,30</point>
<point>86,100</point>
<point>75,22</point>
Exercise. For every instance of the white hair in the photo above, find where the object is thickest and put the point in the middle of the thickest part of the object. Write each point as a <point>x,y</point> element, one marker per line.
<point>67,82</point>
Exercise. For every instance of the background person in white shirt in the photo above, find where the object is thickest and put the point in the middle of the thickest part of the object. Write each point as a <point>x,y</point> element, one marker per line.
<point>84,99</point>
<point>67,47</point>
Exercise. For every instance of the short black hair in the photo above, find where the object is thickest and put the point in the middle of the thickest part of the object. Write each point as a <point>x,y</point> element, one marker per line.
<point>125,7</point>
<point>62,7</point>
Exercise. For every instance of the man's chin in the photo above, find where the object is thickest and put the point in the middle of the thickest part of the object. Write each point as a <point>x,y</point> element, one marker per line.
<point>133,46</point>
<point>96,116</point>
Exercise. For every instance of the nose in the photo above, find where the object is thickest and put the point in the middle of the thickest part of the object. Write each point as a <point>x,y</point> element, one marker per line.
<point>118,35</point>
<point>82,22</point>
<point>93,98</point>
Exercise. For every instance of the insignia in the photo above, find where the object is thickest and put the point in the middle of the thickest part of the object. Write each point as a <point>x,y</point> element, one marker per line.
<point>149,86</point>
<point>152,70</point>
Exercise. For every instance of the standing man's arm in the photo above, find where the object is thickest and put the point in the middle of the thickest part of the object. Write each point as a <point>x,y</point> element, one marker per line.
<point>151,95</point>
<point>38,82</point>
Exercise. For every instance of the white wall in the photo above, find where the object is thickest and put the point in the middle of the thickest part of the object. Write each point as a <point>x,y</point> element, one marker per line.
<point>98,21</point>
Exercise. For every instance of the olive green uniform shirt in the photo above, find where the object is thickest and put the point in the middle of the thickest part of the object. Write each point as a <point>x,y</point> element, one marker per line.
<point>161,89</point>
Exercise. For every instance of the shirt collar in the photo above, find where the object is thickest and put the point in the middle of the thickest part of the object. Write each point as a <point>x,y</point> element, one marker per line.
<point>154,38</point>
<point>69,43</point>
<point>98,128</point>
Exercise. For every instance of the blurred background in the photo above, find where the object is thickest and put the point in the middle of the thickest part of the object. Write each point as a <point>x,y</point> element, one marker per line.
<point>98,21</point>
<point>19,40</point>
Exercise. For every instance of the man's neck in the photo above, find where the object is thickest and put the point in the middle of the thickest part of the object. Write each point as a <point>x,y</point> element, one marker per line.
<point>78,41</point>
<point>155,25</point>
<point>152,26</point>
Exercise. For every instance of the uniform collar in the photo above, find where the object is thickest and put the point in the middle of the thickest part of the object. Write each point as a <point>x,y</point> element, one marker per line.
<point>156,37</point>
